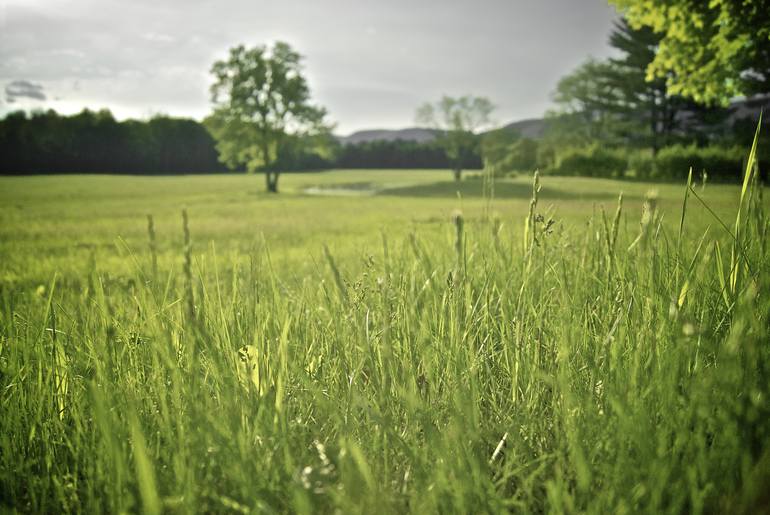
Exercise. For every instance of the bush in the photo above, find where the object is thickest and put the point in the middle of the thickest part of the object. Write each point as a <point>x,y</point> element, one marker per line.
<point>722,164</point>
<point>591,161</point>
<point>523,156</point>
<point>546,155</point>
<point>519,156</point>
<point>641,164</point>
<point>671,163</point>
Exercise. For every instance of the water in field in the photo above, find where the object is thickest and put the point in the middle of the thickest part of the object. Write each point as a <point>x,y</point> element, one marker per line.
<point>355,189</point>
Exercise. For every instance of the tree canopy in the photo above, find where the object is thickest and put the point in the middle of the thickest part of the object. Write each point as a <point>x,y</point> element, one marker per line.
<point>613,101</point>
<point>262,110</point>
<point>589,99</point>
<point>95,142</point>
<point>504,151</point>
<point>457,120</point>
<point>710,51</point>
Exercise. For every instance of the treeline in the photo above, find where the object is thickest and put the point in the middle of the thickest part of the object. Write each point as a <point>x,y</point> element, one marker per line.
<point>714,154</point>
<point>611,121</point>
<point>94,142</point>
<point>399,154</point>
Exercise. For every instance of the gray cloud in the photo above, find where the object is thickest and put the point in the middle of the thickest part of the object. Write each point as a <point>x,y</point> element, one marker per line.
<point>369,62</point>
<point>23,89</point>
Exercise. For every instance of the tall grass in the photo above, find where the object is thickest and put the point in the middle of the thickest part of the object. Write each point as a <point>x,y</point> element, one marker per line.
<point>609,369</point>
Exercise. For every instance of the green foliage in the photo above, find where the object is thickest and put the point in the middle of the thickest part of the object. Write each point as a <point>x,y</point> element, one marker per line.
<point>261,107</point>
<point>709,51</point>
<point>588,100</point>
<point>641,165</point>
<point>546,153</point>
<point>523,155</point>
<point>594,160</point>
<point>718,162</point>
<point>308,152</point>
<point>611,100</point>
<point>95,142</point>
<point>457,120</point>
<point>651,115</point>
<point>723,164</point>
<point>499,149</point>
<point>380,154</point>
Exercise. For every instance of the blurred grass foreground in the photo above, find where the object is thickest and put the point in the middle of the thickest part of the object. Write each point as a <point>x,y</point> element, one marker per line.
<point>550,349</point>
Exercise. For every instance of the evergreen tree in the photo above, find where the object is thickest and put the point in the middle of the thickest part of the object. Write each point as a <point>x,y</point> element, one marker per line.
<point>590,105</point>
<point>612,101</point>
<point>644,102</point>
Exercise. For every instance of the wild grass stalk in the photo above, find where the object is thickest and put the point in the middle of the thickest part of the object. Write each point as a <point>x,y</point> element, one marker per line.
<point>585,369</point>
<point>187,268</point>
<point>152,246</point>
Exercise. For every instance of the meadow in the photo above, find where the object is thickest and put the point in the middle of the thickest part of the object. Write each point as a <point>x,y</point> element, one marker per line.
<point>383,342</point>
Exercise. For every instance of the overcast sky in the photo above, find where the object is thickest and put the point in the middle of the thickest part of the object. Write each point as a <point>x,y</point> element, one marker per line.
<point>370,63</point>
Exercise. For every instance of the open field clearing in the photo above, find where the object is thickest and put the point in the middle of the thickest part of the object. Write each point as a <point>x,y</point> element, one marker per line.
<point>294,257</point>
<point>377,350</point>
<point>57,223</point>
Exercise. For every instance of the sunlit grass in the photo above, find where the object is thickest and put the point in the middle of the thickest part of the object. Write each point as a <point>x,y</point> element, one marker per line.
<point>376,354</point>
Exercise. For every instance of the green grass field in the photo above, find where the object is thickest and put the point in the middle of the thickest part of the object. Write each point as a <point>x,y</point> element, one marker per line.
<point>57,223</point>
<point>382,342</point>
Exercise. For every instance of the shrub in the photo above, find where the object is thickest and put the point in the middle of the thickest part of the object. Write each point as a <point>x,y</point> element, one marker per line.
<point>495,149</point>
<point>546,155</point>
<point>591,161</point>
<point>505,158</point>
<point>641,164</point>
<point>523,155</point>
<point>720,163</point>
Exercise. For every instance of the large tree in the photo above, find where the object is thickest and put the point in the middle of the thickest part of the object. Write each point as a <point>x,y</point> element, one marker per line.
<point>645,101</point>
<point>590,102</point>
<point>262,109</point>
<point>613,101</point>
<point>456,121</point>
<point>710,51</point>
<point>496,149</point>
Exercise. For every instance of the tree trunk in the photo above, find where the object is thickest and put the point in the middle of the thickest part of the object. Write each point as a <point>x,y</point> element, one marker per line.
<point>271,182</point>
<point>271,177</point>
<point>654,123</point>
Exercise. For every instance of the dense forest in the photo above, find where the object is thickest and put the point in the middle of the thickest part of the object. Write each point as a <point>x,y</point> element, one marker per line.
<point>95,142</point>
<point>398,154</point>
<point>45,142</point>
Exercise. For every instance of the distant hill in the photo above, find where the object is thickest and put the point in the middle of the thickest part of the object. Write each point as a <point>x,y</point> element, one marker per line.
<point>532,128</point>
<point>417,134</point>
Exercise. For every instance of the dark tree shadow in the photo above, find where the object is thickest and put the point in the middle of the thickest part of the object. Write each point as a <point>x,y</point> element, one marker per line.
<point>475,189</point>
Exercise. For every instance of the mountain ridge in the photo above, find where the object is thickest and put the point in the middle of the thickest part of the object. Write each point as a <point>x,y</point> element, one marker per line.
<point>534,128</point>
<point>418,134</point>
<point>528,128</point>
